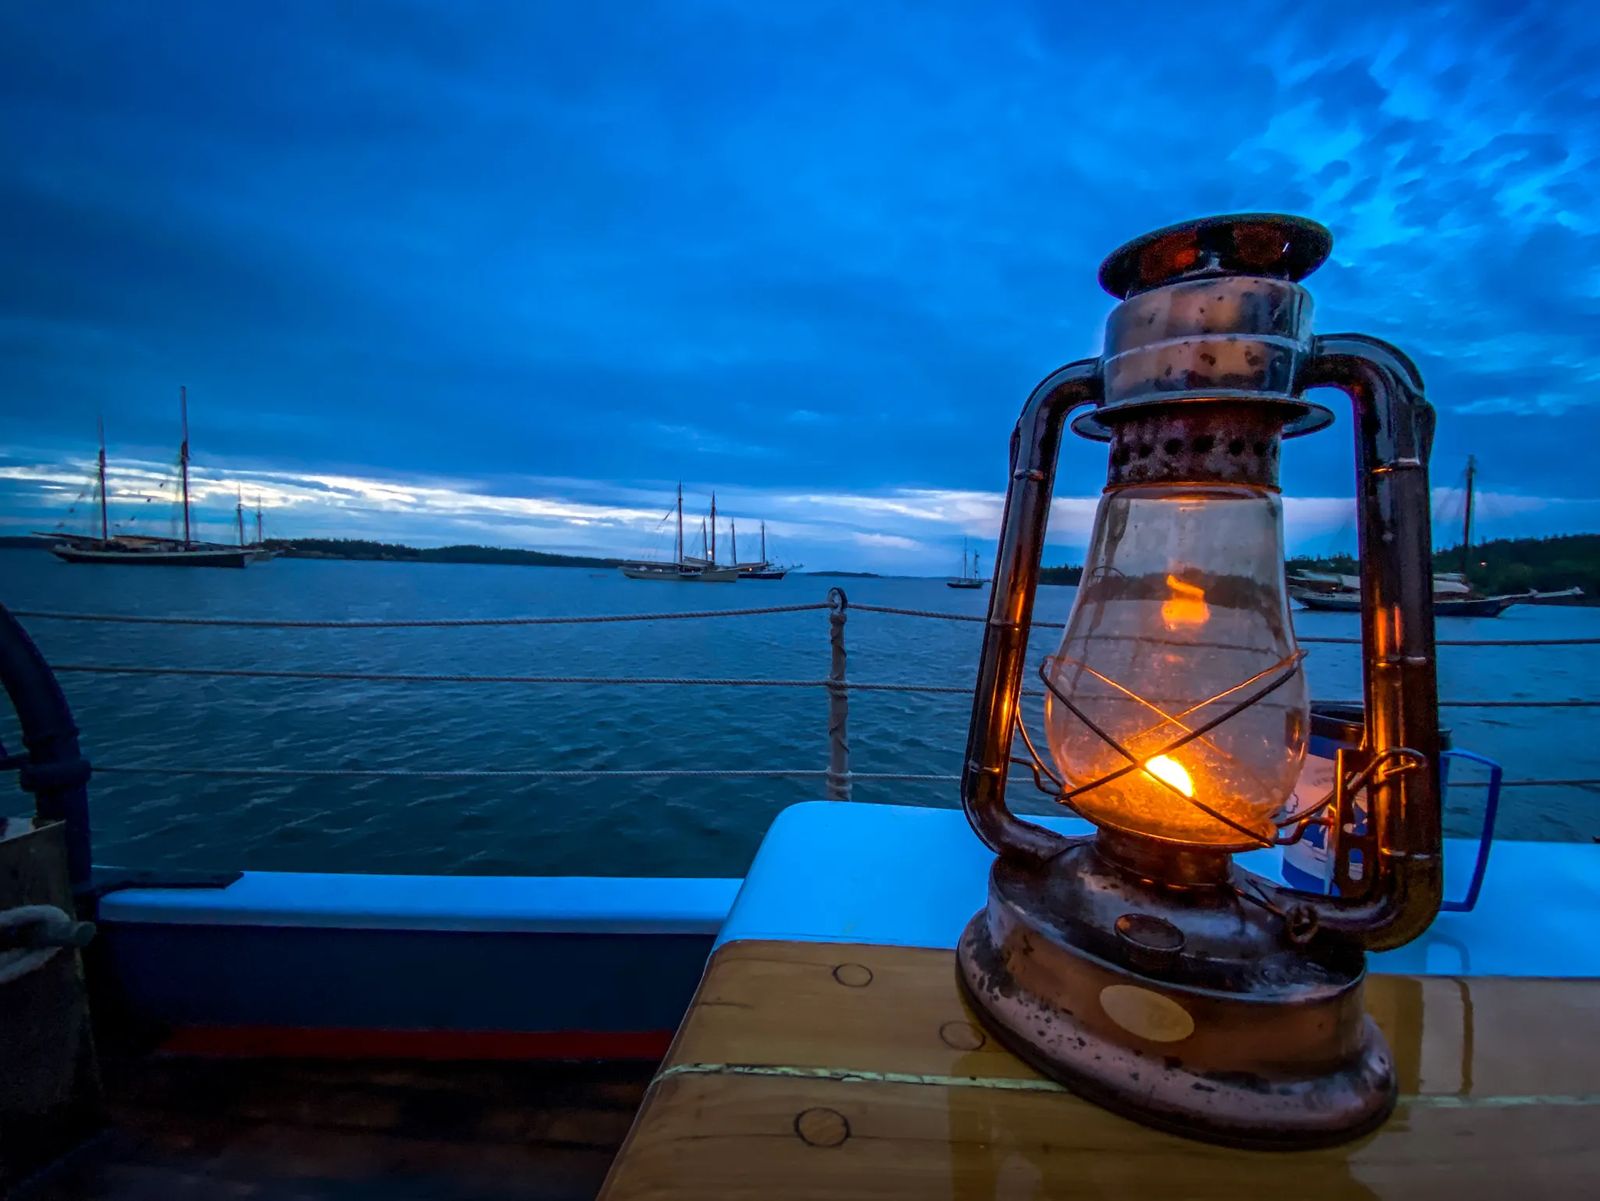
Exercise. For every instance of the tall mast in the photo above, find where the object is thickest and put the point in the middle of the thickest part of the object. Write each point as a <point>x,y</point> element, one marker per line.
<point>238,513</point>
<point>105,531</point>
<point>183,459</point>
<point>733,539</point>
<point>260,541</point>
<point>713,527</point>
<point>702,537</point>
<point>680,521</point>
<point>1466,519</point>
<point>763,543</point>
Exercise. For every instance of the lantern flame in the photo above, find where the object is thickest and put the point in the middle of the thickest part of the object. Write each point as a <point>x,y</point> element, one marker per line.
<point>1169,771</point>
<point>1186,606</point>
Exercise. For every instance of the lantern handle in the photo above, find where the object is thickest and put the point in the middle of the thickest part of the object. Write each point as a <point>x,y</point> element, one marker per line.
<point>1035,448</point>
<point>1394,434</point>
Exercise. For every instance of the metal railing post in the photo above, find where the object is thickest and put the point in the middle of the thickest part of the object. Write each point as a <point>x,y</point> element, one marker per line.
<point>838,777</point>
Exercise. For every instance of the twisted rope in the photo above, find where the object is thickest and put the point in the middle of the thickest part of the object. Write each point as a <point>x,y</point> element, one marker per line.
<point>375,677</point>
<point>410,624</point>
<point>161,769</point>
<point>471,622</point>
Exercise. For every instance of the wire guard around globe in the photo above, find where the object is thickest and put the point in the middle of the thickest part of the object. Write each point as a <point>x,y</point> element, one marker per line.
<point>1149,762</point>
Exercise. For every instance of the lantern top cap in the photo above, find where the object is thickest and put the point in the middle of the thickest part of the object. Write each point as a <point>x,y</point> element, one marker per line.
<point>1267,244</point>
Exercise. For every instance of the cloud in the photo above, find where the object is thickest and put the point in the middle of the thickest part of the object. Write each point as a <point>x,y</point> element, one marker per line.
<point>818,255</point>
<point>912,531</point>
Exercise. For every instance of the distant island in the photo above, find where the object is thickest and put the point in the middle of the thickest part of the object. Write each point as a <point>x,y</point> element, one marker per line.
<point>361,549</point>
<point>1502,566</point>
<point>1060,575</point>
<point>393,552</point>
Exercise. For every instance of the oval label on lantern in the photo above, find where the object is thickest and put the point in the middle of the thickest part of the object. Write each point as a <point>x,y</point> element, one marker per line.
<point>1145,1013</point>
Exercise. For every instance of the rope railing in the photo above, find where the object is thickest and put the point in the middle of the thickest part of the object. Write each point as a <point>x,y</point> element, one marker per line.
<point>837,775</point>
<point>375,677</point>
<point>425,623</point>
<point>167,769</point>
<point>478,622</point>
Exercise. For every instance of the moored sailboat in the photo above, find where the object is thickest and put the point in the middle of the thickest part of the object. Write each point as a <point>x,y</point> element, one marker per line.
<point>763,568</point>
<point>684,569</point>
<point>969,577</point>
<point>1453,595</point>
<point>143,551</point>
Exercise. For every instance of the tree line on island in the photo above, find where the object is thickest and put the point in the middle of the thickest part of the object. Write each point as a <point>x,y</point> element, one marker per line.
<point>1506,566</point>
<point>1502,566</point>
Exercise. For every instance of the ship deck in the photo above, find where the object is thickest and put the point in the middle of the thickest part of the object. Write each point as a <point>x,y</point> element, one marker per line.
<point>184,1127</point>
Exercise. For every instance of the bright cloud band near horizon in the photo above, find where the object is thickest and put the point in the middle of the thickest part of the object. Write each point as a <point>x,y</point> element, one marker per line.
<point>909,531</point>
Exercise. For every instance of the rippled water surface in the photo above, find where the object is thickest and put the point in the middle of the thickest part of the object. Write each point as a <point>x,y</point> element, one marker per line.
<point>661,826</point>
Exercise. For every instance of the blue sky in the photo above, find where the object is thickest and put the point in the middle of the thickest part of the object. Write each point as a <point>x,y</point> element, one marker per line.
<point>506,272</point>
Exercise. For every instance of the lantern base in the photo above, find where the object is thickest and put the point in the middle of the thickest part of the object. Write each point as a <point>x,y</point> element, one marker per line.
<point>1186,1010</point>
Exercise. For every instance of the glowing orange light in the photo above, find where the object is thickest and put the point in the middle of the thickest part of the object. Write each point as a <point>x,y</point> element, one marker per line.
<point>1169,771</point>
<point>1186,606</point>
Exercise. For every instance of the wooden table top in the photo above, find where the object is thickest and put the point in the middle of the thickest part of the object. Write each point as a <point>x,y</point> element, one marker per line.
<point>822,1070</point>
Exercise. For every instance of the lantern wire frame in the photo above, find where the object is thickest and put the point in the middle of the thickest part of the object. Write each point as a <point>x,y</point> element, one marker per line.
<point>1379,769</point>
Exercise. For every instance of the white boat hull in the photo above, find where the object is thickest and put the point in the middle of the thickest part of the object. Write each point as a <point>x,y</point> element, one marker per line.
<point>195,557</point>
<point>674,574</point>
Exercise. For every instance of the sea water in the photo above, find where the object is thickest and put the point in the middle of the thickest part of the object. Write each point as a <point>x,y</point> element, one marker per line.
<point>638,825</point>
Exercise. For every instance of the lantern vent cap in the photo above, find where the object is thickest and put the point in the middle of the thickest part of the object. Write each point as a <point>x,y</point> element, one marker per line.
<point>1274,245</point>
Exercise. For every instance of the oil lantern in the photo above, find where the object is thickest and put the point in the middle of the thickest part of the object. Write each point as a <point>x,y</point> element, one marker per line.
<point>1141,966</point>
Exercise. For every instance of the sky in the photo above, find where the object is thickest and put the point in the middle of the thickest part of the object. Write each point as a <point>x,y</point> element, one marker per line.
<point>506,273</point>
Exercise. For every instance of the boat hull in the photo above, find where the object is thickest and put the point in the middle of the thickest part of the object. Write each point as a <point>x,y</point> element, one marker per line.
<point>154,558</point>
<point>763,575</point>
<point>1336,602</point>
<point>681,575</point>
<point>969,585</point>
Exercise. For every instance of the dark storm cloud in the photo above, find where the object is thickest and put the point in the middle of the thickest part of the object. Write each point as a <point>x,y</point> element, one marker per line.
<point>823,246</point>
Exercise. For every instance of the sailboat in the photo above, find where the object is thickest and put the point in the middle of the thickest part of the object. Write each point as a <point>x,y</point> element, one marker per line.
<point>685,569</point>
<point>258,549</point>
<point>134,550</point>
<point>763,568</point>
<point>1453,596</point>
<point>968,578</point>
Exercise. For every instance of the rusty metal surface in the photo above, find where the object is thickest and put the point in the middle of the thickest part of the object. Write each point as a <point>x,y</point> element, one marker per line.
<point>1035,447</point>
<point>1206,442</point>
<point>1215,339</point>
<point>1263,244</point>
<point>1394,435</point>
<point>1206,363</point>
<point>1194,1017</point>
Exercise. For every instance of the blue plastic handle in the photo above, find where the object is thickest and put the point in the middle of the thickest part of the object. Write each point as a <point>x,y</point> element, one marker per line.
<point>1491,807</point>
